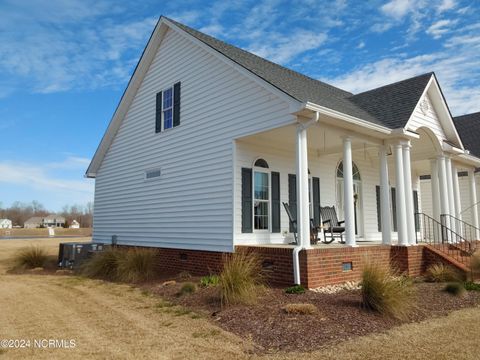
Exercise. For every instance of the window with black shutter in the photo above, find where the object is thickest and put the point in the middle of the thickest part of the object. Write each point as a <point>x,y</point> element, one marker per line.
<point>167,108</point>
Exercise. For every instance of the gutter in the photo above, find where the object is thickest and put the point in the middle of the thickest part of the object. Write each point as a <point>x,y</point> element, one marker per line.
<point>303,245</point>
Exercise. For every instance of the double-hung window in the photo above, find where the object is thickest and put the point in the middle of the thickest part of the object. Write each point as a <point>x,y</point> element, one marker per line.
<point>168,108</point>
<point>261,195</point>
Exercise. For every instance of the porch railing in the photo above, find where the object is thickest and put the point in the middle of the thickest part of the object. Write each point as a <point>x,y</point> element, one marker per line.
<point>466,230</point>
<point>440,236</point>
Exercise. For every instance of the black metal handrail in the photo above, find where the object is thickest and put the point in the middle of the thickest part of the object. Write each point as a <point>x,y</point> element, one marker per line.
<point>466,230</point>
<point>440,236</point>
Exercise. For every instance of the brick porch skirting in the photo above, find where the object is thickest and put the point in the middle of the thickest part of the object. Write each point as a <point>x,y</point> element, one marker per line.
<point>318,266</point>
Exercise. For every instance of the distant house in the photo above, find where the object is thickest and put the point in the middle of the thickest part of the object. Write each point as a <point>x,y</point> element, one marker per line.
<point>48,221</point>
<point>33,222</point>
<point>74,225</point>
<point>5,224</point>
<point>53,221</point>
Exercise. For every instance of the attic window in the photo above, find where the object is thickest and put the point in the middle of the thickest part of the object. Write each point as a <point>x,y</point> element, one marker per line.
<point>151,174</point>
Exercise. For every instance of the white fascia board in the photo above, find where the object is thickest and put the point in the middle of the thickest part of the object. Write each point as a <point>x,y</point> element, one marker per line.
<point>128,95</point>
<point>293,103</point>
<point>469,160</point>
<point>347,118</point>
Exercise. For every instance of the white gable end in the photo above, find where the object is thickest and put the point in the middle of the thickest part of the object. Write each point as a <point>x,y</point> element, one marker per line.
<point>190,204</point>
<point>432,112</point>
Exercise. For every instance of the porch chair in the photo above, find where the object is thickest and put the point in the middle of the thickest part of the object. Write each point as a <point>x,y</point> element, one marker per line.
<point>334,229</point>
<point>293,222</point>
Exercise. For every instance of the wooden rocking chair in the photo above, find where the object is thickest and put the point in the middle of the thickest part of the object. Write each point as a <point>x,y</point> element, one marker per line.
<point>334,228</point>
<point>293,222</point>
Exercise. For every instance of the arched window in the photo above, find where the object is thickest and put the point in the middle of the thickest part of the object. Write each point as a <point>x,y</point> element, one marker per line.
<point>261,195</point>
<point>355,171</point>
<point>261,163</point>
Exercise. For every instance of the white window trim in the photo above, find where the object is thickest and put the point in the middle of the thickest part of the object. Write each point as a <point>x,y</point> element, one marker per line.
<point>269,173</point>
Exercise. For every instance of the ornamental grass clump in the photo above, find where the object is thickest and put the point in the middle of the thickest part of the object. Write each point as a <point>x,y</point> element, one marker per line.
<point>103,265</point>
<point>384,291</point>
<point>30,257</point>
<point>241,280</point>
<point>136,265</point>
<point>442,273</point>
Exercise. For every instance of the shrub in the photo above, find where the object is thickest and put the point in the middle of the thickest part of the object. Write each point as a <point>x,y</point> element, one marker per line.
<point>442,273</point>
<point>187,288</point>
<point>31,257</point>
<point>241,280</point>
<point>136,265</point>
<point>302,309</point>
<point>184,275</point>
<point>209,280</point>
<point>296,289</point>
<point>103,265</point>
<point>386,292</point>
<point>471,286</point>
<point>455,288</point>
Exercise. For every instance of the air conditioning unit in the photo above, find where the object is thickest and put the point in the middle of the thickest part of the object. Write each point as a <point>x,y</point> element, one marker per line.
<point>72,254</point>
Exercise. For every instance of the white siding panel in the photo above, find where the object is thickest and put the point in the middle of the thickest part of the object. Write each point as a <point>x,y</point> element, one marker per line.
<point>190,205</point>
<point>429,120</point>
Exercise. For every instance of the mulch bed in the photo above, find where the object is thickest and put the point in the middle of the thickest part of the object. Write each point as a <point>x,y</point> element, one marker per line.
<point>340,315</point>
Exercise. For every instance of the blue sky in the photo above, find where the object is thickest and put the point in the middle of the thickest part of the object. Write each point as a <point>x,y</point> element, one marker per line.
<point>65,63</point>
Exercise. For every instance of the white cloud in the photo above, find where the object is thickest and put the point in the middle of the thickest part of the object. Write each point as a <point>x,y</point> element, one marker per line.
<point>446,5</point>
<point>361,45</point>
<point>398,8</point>
<point>440,28</point>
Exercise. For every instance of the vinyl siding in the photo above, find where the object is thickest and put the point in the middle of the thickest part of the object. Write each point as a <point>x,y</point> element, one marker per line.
<point>190,205</point>
<point>429,120</point>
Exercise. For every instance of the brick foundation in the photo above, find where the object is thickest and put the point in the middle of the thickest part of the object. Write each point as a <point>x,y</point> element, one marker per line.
<point>318,266</point>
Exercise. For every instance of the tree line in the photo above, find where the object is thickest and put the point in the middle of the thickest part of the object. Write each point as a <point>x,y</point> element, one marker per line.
<point>19,212</point>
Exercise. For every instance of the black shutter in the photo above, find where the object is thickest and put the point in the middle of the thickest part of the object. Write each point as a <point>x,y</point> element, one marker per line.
<point>394,209</point>
<point>379,213</point>
<point>316,200</point>
<point>415,207</point>
<point>275,202</point>
<point>158,113</point>
<point>292,197</point>
<point>247,200</point>
<point>176,104</point>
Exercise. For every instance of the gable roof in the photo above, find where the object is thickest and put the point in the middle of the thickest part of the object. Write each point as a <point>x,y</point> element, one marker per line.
<point>468,127</point>
<point>393,104</point>
<point>378,106</point>
<point>35,220</point>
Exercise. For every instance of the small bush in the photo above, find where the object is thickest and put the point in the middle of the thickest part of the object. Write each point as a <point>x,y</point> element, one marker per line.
<point>455,288</point>
<point>471,286</point>
<point>241,280</point>
<point>187,288</point>
<point>301,309</point>
<point>136,265</point>
<point>209,280</point>
<point>31,257</point>
<point>103,265</point>
<point>386,292</point>
<point>442,273</point>
<point>184,275</point>
<point>296,289</point>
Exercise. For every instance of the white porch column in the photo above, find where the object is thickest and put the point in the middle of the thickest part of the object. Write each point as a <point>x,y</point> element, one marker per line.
<point>473,200</point>
<point>456,192</point>
<point>303,215</point>
<point>435,189</point>
<point>407,172</point>
<point>400,196</point>
<point>443,185</point>
<point>385,198</point>
<point>451,198</point>
<point>348,200</point>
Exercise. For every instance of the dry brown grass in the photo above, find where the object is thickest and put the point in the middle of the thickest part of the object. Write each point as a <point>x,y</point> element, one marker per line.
<point>44,232</point>
<point>300,309</point>
<point>117,321</point>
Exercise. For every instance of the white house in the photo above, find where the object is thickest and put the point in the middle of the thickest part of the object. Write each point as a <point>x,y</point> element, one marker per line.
<point>5,224</point>
<point>74,225</point>
<point>209,140</point>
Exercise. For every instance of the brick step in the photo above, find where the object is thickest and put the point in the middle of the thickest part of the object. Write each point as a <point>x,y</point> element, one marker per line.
<point>453,257</point>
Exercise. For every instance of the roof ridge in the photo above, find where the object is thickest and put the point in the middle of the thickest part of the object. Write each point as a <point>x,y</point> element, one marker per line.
<point>393,84</point>
<point>284,68</point>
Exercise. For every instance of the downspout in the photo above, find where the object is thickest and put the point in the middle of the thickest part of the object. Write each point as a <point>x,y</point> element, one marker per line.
<point>302,244</point>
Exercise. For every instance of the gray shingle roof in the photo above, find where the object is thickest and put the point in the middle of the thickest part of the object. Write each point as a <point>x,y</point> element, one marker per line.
<point>468,127</point>
<point>390,105</point>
